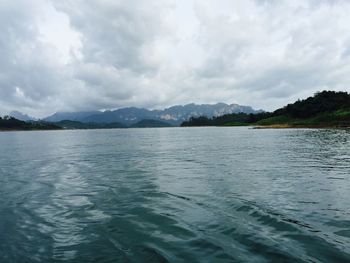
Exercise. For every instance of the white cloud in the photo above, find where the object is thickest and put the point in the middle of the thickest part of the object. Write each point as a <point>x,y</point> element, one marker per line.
<point>84,55</point>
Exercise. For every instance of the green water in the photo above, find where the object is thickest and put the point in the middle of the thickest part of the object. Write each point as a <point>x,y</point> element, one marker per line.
<point>175,195</point>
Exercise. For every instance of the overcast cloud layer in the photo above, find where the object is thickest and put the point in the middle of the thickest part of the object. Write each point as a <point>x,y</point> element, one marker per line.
<point>102,54</point>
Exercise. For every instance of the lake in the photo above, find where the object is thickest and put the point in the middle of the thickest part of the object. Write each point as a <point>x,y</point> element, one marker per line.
<point>175,195</point>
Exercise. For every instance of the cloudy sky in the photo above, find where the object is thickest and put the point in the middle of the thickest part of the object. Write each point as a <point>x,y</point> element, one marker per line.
<point>71,55</point>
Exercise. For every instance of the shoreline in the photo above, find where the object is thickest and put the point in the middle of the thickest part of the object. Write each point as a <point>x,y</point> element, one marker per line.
<point>258,127</point>
<point>291,126</point>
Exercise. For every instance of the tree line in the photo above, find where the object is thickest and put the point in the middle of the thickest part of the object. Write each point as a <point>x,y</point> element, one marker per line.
<point>11,123</point>
<point>321,103</point>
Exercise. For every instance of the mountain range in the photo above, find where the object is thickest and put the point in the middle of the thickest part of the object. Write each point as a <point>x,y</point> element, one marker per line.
<point>323,110</point>
<point>174,115</point>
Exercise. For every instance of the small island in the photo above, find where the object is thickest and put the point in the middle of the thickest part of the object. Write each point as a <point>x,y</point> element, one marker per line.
<point>326,109</point>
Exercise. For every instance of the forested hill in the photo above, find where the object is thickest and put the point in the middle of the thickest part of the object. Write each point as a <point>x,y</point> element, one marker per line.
<point>321,102</point>
<point>11,124</point>
<point>324,109</point>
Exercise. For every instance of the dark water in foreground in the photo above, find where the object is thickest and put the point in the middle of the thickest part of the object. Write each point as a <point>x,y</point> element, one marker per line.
<point>175,195</point>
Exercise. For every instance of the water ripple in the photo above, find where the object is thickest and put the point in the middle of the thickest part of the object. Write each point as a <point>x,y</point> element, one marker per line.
<point>175,195</point>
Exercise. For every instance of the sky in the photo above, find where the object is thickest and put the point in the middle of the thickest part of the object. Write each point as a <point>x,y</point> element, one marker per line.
<point>78,55</point>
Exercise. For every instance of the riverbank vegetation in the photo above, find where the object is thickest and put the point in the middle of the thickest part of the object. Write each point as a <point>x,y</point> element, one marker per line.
<point>324,109</point>
<point>8,123</point>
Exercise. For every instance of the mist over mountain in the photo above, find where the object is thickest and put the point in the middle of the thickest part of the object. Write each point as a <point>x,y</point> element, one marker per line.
<point>174,115</point>
<point>72,116</point>
<point>20,116</point>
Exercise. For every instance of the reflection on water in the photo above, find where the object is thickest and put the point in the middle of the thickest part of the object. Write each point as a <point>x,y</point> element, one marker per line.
<point>175,195</point>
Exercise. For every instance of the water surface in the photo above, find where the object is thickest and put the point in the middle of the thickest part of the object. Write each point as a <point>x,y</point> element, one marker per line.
<point>175,195</point>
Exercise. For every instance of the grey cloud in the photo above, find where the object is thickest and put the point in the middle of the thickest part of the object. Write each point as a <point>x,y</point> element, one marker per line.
<point>279,49</point>
<point>143,53</point>
<point>115,33</point>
